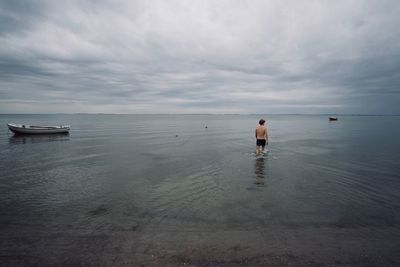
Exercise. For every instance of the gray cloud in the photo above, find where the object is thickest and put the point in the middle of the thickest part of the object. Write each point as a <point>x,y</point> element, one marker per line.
<point>200,56</point>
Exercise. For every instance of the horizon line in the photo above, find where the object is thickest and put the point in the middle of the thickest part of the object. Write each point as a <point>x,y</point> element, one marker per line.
<point>241,114</point>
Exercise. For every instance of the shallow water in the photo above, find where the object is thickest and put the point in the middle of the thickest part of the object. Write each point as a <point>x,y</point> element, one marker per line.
<point>140,187</point>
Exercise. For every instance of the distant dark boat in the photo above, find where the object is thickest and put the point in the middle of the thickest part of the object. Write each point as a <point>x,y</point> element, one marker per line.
<point>333,118</point>
<point>29,129</point>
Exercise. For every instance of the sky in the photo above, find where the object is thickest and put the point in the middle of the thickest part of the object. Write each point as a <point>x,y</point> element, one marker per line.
<point>199,56</point>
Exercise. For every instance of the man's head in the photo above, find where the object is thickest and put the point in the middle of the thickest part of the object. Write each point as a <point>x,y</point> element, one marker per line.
<point>261,122</point>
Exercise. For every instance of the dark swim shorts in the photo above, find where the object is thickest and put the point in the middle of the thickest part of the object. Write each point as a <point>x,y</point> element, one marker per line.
<point>261,142</point>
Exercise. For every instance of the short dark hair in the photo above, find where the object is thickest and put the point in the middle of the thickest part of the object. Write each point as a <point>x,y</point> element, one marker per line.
<point>261,122</point>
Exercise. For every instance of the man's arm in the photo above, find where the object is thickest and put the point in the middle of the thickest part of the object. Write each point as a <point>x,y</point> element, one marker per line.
<point>256,132</point>
<point>266,135</point>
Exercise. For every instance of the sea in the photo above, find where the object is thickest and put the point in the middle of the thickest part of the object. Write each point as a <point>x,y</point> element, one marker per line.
<point>189,190</point>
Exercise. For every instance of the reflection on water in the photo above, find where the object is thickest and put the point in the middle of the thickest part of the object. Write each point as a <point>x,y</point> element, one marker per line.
<point>30,139</point>
<point>259,170</point>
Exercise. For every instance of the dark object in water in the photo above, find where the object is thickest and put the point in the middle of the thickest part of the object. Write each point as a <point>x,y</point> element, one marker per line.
<point>206,127</point>
<point>333,118</point>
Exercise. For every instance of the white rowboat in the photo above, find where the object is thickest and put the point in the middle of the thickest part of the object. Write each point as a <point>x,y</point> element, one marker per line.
<point>30,129</point>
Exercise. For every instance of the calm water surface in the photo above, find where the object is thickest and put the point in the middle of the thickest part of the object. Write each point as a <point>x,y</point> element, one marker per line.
<point>135,188</point>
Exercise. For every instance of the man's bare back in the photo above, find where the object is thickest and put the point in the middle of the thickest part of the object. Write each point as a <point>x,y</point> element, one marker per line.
<point>261,132</point>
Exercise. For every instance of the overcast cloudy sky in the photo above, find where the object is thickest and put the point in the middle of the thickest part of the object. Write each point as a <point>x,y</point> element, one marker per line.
<point>200,56</point>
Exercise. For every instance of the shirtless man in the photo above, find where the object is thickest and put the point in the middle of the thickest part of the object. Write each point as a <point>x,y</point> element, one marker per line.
<point>262,137</point>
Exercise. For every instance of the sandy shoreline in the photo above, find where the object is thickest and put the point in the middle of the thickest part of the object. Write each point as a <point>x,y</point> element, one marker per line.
<point>287,247</point>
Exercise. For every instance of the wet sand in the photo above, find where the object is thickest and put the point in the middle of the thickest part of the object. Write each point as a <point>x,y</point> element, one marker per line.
<point>140,246</point>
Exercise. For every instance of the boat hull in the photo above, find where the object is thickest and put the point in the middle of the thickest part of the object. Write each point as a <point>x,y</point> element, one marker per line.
<point>20,129</point>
